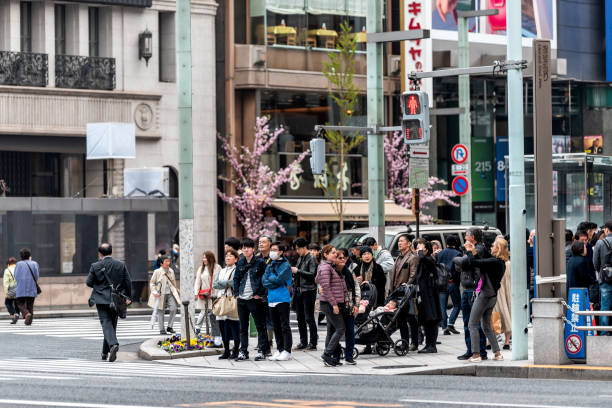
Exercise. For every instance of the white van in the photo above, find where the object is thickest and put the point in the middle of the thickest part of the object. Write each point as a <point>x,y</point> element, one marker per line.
<point>428,231</point>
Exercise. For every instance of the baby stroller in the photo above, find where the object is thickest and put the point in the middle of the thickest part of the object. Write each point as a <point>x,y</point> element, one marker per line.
<point>377,329</point>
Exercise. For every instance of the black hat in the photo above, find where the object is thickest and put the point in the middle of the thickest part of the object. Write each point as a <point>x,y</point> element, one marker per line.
<point>365,249</point>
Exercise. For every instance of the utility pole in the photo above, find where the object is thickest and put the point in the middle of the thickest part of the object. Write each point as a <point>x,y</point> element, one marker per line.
<point>376,159</point>
<point>520,295</point>
<point>183,53</point>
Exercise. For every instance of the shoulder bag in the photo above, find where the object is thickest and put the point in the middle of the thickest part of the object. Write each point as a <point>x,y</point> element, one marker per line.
<point>205,293</point>
<point>38,289</point>
<point>117,304</point>
<point>11,292</point>
<point>226,305</point>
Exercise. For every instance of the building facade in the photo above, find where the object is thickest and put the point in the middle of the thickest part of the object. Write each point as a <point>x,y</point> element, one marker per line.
<point>64,64</point>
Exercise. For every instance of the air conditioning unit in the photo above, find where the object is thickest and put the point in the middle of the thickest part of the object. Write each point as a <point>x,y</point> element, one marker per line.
<point>394,64</point>
<point>258,54</point>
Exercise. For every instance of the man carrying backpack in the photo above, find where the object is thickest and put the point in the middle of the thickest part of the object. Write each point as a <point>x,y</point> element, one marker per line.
<point>602,260</point>
<point>445,257</point>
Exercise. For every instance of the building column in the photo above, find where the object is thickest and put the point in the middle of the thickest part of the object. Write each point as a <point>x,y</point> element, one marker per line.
<point>44,35</point>
<point>9,26</point>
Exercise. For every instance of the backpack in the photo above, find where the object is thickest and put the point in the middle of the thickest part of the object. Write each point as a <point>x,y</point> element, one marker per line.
<point>443,277</point>
<point>606,271</point>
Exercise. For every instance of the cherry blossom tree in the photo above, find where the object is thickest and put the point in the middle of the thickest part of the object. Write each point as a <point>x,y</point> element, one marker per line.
<point>255,183</point>
<point>397,155</point>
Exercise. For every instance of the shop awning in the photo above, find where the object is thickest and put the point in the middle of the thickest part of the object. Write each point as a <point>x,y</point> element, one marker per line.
<point>354,210</point>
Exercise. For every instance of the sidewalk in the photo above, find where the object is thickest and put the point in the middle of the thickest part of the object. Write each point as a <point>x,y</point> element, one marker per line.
<point>86,312</point>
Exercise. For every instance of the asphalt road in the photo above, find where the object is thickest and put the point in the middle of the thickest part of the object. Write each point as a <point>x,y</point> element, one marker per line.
<point>43,370</point>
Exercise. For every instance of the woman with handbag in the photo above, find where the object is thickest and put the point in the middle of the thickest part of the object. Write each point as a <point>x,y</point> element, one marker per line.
<point>10,290</point>
<point>163,287</point>
<point>225,307</point>
<point>205,294</point>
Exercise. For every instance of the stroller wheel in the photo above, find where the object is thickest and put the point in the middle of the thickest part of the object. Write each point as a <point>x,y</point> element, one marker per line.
<point>383,348</point>
<point>341,353</point>
<point>355,353</point>
<point>401,347</point>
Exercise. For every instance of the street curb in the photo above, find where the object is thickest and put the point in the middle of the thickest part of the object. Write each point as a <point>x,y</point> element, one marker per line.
<point>149,351</point>
<point>572,372</point>
<point>52,314</point>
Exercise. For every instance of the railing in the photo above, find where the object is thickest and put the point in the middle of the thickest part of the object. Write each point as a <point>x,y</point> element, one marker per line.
<point>587,313</point>
<point>23,68</point>
<point>79,72</point>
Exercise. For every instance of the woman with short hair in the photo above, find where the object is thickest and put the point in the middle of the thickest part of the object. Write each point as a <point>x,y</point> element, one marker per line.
<point>223,282</point>
<point>10,290</point>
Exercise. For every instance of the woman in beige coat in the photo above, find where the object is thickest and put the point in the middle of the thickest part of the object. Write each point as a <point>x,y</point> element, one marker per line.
<point>503,295</point>
<point>203,281</point>
<point>163,287</point>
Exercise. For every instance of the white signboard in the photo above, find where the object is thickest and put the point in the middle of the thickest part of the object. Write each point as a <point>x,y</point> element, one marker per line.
<point>418,170</point>
<point>460,169</point>
<point>418,53</point>
<point>111,141</point>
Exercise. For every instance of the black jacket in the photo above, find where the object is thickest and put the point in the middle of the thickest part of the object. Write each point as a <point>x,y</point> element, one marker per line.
<point>578,274</point>
<point>379,280</point>
<point>429,306</point>
<point>118,274</point>
<point>469,274</point>
<point>491,271</point>
<point>254,271</point>
<point>304,278</point>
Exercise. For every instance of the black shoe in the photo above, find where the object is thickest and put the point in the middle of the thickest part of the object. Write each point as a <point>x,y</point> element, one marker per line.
<point>14,319</point>
<point>506,347</point>
<point>438,342</point>
<point>170,330</point>
<point>260,356</point>
<point>413,347</point>
<point>488,347</point>
<point>234,355</point>
<point>311,347</point>
<point>350,361</point>
<point>162,332</point>
<point>328,360</point>
<point>242,356</point>
<point>452,329</point>
<point>428,349</point>
<point>447,332</point>
<point>484,356</point>
<point>300,346</point>
<point>367,350</point>
<point>464,356</point>
<point>104,356</point>
<point>112,355</point>
<point>225,356</point>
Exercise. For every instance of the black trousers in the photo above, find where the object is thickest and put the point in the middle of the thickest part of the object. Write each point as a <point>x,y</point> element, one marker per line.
<point>305,306</point>
<point>25,305</point>
<point>335,327</point>
<point>258,309</point>
<point>431,333</point>
<point>229,331</point>
<point>108,321</point>
<point>11,306</point>
<point>282,329</point>
<point>412,334</point>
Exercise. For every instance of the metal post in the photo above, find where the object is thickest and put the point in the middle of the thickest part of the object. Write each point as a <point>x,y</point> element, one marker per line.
<point>183,53</point>
<point>187,331</point>
<point>465,133</point>
<point>520,295</point>
<point>376,160</point>
<point>417,211</point>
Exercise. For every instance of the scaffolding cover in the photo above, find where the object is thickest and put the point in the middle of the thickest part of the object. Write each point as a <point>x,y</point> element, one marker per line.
<point>111,141</point>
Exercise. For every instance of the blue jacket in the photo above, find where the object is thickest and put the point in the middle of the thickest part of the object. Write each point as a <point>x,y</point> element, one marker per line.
<point>254,271</point>
<point>277,279</point>
<point>26,287</point>
<point>446,257</point>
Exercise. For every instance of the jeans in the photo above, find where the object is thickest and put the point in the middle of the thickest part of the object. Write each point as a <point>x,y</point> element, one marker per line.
<point>305,306</point>
<point>481,314</point>
<point>25,305</point>
<point>455,295</point>
<point>606,304</point>
<point>335,327</point>
<point>282,329</point>
<point>11,306</point>
<point>349,338</point>
<point>229,331</point>
<point>258,309</point>
<point>169,303</point>
<point>108,321</point>
<point>466,308</point>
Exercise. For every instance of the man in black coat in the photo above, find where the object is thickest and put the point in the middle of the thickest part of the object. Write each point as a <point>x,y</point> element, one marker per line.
<point>100,273</point>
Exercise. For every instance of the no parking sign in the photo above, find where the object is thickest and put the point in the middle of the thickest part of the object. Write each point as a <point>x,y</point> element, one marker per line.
<point>460,185</point>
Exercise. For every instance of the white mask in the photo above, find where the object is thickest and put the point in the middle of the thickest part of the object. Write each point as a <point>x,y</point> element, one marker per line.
<point>274,255</point>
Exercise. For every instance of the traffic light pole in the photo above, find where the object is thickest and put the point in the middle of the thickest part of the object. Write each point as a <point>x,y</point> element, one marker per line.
<point>465,131</point>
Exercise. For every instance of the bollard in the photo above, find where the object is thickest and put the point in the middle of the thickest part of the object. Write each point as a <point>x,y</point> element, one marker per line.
<point>548,331</point>
<point>187,330</point>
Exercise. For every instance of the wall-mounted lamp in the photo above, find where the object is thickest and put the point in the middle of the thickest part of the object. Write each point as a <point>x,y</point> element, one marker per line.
<point>145,45</point>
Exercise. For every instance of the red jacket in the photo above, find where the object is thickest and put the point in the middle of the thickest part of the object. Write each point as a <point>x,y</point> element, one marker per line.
<point>332,284</point>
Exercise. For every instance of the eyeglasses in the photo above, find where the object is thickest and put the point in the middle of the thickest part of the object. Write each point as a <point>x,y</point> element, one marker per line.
<point>340,258</point>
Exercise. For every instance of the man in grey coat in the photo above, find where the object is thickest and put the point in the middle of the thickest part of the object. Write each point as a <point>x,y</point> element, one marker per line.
<point>100,273</point>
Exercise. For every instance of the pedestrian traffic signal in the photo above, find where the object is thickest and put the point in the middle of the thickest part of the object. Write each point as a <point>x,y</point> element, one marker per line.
<point>415,117</point>
<point>317,156</point>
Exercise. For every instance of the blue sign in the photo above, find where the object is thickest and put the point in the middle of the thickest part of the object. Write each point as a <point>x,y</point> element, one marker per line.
<point>575,340</point>
<point>501,150</point>
<point>460,185</point>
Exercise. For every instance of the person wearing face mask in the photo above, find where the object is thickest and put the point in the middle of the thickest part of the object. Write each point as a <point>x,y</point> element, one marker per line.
<point>277,279</point>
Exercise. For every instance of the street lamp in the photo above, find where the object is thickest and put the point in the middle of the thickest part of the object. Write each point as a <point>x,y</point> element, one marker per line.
<point>145,45</point>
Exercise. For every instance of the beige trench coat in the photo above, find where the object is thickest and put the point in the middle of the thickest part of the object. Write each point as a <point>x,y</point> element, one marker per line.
<point>165,278</point>
<point>503,301</point>
<point>202,281</point>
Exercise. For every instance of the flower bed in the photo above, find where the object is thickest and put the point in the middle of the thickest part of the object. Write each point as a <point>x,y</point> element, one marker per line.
<point>174,344</point>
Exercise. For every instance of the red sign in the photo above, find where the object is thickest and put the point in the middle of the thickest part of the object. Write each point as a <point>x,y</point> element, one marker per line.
<point>459,154</point>
<point>413,104</point>
<point>573,344</point>
<point>460,185</point>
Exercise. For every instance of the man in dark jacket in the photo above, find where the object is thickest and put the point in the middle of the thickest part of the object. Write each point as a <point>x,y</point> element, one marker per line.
<point>445,257</point>
<point>469,280</point>
<point>305,295</point>
<point>251,300</point>
<point>100,273</point>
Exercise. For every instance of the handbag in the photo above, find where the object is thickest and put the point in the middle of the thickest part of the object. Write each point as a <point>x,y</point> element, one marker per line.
<point>11,292</point>
<point>38,289</point>
<point>496,323</point>
<point>117,304</point>
<point>226,306</point>
<point>205,293</point>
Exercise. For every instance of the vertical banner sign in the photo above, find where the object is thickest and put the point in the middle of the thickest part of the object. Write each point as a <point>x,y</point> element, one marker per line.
<point>418,53</point>
<point>575,340</point>
<point>483,173</point>
<point>501,151</point>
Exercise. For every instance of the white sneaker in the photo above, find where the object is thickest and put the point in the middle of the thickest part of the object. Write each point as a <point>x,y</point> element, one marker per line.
<point>275,356</point>
<point>284,356</point>
<point>218,341</point>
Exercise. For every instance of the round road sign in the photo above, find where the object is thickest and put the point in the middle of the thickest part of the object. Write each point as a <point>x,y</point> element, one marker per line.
<point>573,344</point>
<point>460,185</point>
<point>459,154</point>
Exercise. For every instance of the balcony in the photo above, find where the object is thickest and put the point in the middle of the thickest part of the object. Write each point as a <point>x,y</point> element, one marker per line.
<point>23,68</point>
<point>79,72</point>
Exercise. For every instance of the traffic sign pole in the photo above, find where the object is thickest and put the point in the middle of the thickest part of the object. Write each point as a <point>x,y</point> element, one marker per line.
<point>465,133</point>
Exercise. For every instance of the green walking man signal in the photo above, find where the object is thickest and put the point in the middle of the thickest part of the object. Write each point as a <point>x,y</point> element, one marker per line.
<point>415,117</point>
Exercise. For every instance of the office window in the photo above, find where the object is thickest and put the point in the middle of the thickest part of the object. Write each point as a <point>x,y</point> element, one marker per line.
<point>60,29</point>
<point>94,32</point>
<point>167,47</point>
<point>26,26</point>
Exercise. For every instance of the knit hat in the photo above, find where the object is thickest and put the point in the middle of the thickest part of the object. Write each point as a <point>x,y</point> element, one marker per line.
<point>365,249</point>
